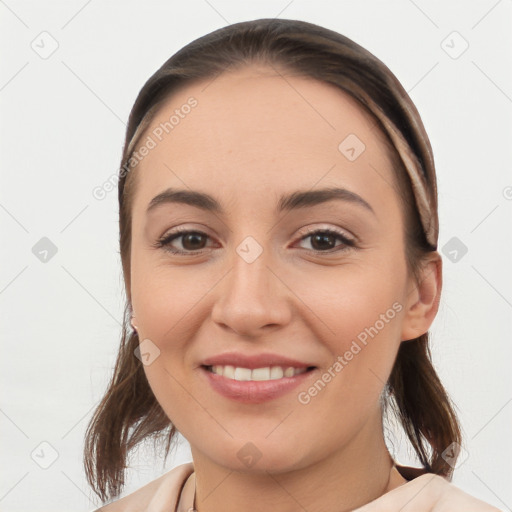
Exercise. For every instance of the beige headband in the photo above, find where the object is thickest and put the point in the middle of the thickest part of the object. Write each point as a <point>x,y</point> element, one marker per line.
<point>426,210</point>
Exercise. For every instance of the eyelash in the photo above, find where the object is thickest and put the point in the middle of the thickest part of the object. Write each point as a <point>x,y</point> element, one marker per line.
<point>163,242</point>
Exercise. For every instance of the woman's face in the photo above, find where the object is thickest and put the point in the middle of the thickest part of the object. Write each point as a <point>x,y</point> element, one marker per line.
<point>277,275</point>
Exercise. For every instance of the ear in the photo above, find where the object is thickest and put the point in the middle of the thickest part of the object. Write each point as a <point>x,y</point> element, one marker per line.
<point>422,301</point>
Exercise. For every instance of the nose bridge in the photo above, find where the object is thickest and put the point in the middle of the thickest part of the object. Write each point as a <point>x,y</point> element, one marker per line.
<point>252,265</point>
<point>251,297</point>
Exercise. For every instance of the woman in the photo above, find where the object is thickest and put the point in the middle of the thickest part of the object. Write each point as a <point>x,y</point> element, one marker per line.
<point>278,234</point>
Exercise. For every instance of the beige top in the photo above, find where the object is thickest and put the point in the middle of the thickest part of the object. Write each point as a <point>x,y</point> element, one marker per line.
<point>174,492</point>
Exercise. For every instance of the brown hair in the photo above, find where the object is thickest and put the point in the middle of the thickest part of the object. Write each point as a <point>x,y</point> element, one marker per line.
<point>129,411</point>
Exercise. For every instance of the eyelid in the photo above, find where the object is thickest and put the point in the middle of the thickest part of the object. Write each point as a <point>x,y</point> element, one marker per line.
<point>184,229</point>
<point>343,233</point>
<point>303,231</point>
<point>348,240</point>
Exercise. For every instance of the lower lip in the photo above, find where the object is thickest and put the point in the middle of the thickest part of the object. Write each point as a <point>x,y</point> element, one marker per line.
<point>254,392</point>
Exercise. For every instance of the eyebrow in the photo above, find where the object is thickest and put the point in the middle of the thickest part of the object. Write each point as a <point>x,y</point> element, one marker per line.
<point>293,201</point>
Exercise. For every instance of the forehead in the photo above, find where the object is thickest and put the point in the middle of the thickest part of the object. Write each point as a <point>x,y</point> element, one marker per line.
<point>258,128</point>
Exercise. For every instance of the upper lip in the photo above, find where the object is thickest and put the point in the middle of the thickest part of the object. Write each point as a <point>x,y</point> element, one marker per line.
<point>253,361</point>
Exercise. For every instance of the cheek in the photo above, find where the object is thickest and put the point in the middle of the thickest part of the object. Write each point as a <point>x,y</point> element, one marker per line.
<point>363,349</point>
<point>357,316</point>
<point>169,312</point>
<point>353,303</point>
<point>167,302</point>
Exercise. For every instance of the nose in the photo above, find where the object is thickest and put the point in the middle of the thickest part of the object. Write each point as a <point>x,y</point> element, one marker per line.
<point>252,299</point>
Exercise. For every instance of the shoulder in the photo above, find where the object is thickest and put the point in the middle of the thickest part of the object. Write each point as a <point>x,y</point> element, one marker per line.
<point>163,491</point>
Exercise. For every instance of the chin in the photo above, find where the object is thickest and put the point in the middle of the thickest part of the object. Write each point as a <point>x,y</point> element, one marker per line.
<point>258,455</point>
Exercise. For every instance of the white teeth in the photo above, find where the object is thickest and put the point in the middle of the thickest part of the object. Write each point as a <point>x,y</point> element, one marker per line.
<point>217,370</point>
<point>260,374</point>
<point>242,374</point>
<point>257,374</point>
<point>227,371</point>
<point>276,372</point>
<point>289,372</point>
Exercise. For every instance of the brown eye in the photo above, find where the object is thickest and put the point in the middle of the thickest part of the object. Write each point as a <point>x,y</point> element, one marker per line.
<point>324,240</point>
<point>191,242</point>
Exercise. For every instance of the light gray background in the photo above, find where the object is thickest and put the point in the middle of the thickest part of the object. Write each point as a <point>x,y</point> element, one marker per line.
<point>62,126</point>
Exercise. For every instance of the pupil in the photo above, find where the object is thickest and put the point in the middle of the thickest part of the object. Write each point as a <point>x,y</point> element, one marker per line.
<point>193,237</point>
<point>321,239</point>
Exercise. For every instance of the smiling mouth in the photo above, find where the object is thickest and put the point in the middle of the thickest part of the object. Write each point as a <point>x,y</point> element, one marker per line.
<point>266,373</point>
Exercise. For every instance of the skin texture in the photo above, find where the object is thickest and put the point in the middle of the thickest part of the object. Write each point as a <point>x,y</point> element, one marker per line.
<point>252,137</point>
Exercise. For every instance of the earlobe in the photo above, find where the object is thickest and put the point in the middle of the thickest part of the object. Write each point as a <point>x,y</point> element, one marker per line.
<point>132,322</point>
<point>423,299</point>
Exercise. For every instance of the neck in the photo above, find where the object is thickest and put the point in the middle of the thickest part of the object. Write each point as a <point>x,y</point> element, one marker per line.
<point>349,478</point>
